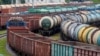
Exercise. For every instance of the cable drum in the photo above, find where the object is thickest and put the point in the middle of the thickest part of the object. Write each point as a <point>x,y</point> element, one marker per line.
<point>63,17</point>
<point>93,17</point>
<point>16,21</point>
<point>98,16</point>
<point>81,32</point>
<point>55,21</point>
<point>46,22</point>
<point>89,35</point>
<point>96,37</point>
<point>84,17</point>
<point>58,19</point>
<point>66,27</point>
<point>77,30</point>
<point>73,30</point>
<point>84,37</point>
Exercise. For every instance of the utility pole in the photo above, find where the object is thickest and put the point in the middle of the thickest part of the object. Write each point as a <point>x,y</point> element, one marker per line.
<point>12,2</point>
<point>18,1</point>
<point>33,3</point>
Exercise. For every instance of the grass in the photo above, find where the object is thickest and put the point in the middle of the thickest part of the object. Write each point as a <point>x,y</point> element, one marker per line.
<point>2,31</point>
<point>3,50</point>
<point>96,1</point>
<point>56,36</point>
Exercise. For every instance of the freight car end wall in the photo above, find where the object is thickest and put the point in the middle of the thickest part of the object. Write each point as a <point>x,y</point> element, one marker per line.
<point>31,44</point>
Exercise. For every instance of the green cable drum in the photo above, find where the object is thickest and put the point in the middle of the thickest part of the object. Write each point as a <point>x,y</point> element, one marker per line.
<point>32,10</point>
<point>58,9</point>
<point>74,8</point>
<point>51,9</point>
<point>64,9</point>
<point>46,22</point>
<point>69,9</point>
<point>38,10</point>
<point>42,10</point>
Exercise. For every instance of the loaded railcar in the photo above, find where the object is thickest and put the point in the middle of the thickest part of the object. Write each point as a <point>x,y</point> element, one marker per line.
<point>26,43</point>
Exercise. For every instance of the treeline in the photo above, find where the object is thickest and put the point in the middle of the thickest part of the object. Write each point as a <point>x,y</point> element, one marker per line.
<point>9,1</point>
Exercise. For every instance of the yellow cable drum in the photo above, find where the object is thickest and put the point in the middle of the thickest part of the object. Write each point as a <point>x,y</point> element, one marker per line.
<point>86,31</point>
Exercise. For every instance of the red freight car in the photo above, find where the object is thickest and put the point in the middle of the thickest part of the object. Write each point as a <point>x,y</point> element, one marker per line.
<point>30,19</point>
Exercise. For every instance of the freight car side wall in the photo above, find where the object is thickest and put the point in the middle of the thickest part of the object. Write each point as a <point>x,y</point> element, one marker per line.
<point>32,20</point>
<point>29,43</point>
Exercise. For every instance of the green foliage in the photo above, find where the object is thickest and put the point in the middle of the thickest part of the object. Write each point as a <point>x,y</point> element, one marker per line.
<point>96,1</point>
<point>3,50</point>
<point>9,1</point>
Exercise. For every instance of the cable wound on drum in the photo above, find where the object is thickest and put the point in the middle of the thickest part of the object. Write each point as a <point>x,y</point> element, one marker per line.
<point>16,21</point>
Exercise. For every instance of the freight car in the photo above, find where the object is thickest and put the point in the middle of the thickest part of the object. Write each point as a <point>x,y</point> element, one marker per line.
<point>26,43</point>
<point>11,8</point>
<point>51,24</point>
<point>81,32</point>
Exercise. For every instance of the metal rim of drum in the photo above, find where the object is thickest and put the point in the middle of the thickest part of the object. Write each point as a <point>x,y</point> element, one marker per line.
<point>84,12</point>
<point>62,17</point>
<point>46,17</point>
<point>80,33</point>
<point>93,17</point>
<point>98,40</point>
<point>66,26</point>
<point>89,18</point>
<point>76,17</point>
<point>72,30</point>
<point>77,30</point>
<point>69,28</point>
<point>89,35</point>
<point>84,18</point>
<point>73,18</point>
<point>92,36</point>
<point>85,34</point>
<point>78,24</point>
<point>81,18</point>
<point>58,18</point>
<point>63,25</point>
<point>98,16</point>
<point>55,21</point>
<point>95,37</point>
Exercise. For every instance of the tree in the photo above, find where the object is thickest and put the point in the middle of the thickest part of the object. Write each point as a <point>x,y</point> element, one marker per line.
<point>0,1</point>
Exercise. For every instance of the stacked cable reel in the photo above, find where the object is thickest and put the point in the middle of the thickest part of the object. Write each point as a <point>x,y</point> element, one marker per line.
<point>81,32</point>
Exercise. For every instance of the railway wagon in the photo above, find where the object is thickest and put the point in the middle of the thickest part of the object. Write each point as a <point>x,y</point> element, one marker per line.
<point>26,43</point>
<point>14,8</point>
<point>31,19</point>
<point>24,7</point>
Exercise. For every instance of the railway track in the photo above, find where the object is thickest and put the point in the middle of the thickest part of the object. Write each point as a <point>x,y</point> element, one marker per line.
<point>3,35</point>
